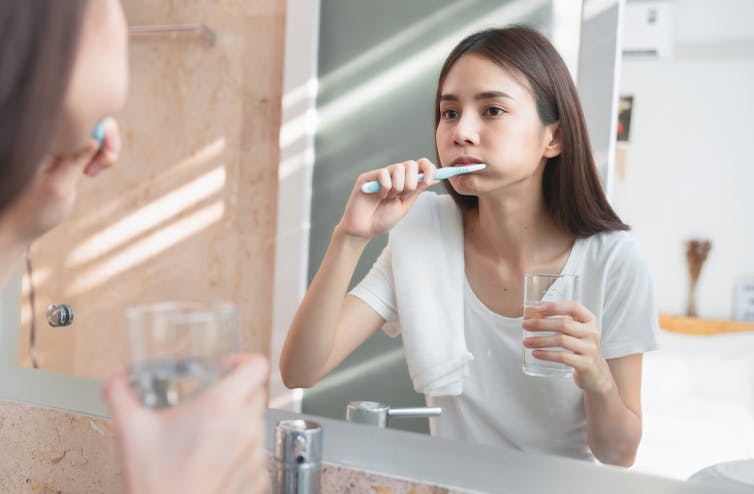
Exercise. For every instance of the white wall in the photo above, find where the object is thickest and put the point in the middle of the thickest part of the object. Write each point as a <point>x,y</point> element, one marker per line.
<point>690,168</point>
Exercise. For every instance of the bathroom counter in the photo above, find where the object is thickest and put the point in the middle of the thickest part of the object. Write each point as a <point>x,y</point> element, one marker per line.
<point>464,467</point>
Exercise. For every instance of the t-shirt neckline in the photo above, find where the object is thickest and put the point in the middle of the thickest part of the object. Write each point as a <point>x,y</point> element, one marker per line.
<point>567,269</point>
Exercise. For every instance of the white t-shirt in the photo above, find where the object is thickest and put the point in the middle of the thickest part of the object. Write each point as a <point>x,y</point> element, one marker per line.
<point>502,406</point>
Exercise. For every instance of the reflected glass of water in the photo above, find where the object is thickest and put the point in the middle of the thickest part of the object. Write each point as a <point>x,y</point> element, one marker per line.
<point>538,290</point>
<point>178,349</point>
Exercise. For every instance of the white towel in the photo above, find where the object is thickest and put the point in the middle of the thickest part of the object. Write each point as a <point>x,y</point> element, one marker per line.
<point>428,270</point>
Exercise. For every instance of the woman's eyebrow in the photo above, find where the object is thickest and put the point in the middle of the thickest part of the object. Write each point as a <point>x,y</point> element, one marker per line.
<point>479,96</point>
<point>492,94</point>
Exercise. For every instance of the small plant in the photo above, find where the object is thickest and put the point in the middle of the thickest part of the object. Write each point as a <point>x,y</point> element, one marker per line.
<point>696,254</point>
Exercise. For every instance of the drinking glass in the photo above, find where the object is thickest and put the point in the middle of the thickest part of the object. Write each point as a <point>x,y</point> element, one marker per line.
<point>540,289</point>
<point>178,349</point>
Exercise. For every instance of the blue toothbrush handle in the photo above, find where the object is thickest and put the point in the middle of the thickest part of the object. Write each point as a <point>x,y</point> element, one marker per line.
<point>99,132</point>
<point>374,186</point>
<point>371,187</point>
<point>442,173</point>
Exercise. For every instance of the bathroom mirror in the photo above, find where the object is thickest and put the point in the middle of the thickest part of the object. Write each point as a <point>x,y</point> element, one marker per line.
<point>377,82</point>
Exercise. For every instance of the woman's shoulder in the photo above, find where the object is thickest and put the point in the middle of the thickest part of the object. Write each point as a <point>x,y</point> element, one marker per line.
<point>614,248</point>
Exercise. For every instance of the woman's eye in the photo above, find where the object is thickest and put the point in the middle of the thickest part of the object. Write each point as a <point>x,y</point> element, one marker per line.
<point>494,111</point>
<point>449,114</point>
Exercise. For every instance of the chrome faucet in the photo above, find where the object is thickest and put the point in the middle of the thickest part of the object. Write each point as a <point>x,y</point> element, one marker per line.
<point>379,414</point>
<point>297,457</point>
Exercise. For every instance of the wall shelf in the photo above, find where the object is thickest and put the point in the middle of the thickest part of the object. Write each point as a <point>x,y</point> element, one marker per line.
<point>703,327</point>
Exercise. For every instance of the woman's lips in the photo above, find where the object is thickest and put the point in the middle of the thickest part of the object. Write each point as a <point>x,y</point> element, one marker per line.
<point>466,160</point>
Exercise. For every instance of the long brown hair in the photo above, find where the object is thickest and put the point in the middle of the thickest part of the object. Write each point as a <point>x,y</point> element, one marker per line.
<point>38,44</point>
<point>570,183</point>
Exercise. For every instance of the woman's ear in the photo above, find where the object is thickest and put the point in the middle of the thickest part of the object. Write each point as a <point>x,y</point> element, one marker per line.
<point>552,140</point>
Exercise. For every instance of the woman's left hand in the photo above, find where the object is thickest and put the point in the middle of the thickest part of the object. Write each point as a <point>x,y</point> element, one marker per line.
<point>577,333</point>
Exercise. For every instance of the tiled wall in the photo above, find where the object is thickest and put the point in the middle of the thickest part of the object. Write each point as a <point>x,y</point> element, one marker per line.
<point>189,212</point>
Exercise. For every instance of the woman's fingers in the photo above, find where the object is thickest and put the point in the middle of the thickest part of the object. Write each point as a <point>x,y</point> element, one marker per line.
<point>401,179</point>
<point>108,152</point>
<point>571,308</point>
<point>571,359</point>
<point>564,325</point>
<point>386,182</point>
<point>398,176</point>
<point>246,381</point>
<point>412,176</point>
<point>566,342</point>
<point>428,169</point>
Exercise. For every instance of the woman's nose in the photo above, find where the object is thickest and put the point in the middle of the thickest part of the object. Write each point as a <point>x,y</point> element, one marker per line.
<point>467,131</point>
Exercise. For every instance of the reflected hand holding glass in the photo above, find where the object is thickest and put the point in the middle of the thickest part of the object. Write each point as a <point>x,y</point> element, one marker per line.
<point>561,337</point>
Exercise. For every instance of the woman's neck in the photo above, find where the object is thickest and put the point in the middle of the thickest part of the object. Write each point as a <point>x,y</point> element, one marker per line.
<point>516,228</point>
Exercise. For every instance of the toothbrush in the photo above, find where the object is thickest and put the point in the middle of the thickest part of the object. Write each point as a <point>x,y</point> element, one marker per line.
<point>99,132</point>
<point>443,173</point>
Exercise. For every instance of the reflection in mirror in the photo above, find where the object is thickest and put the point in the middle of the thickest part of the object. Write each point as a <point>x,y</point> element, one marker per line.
<point>377,81</point>
<point>371,129</point>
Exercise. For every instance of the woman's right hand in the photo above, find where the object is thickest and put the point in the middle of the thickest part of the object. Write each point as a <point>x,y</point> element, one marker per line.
<point>212,443</point>
<point>369,215</point>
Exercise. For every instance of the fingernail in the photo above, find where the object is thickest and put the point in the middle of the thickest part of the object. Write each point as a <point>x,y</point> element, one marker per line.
<point>117,143</point>
<point>94,170</point>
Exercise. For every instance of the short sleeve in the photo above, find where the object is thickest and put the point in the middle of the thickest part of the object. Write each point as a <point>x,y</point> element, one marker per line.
<point>630,320</point>
<point>377,289</point>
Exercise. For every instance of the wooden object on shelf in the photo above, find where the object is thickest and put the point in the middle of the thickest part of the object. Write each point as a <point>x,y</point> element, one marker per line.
<point>702,327</point>
<point>696,254</point>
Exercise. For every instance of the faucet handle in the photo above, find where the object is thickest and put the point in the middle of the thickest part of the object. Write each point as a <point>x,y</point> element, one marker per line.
<point>374,413</point>
<point>415,412</point>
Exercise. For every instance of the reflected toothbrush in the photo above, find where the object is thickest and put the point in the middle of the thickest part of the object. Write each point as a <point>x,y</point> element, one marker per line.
<point>442,174</point>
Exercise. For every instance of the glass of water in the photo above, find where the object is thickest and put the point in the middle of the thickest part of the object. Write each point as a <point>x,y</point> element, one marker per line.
<point>178,349</point>
<point>540,289</point>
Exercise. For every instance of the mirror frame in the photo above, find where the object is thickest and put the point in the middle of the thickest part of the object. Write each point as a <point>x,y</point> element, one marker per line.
<point>36,386</point>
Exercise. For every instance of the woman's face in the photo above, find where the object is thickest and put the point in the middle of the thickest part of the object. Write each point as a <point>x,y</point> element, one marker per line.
<point>487,115</point>
<point>99,78</point>
<point>97,88</point>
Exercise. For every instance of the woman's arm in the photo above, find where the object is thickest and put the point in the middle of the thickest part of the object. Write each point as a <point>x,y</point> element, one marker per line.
<point>613,414</point>
<point>328,326</point>
<point>612,389</point>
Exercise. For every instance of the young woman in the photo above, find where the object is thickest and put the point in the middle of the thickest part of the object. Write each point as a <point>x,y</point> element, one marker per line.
<point>63,68</point>
<point>451,277</point>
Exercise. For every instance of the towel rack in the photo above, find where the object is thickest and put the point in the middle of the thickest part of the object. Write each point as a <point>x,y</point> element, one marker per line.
<point>207,34</point>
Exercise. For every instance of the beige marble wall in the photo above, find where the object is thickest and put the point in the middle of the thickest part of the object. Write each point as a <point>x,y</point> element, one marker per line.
<point>53,452</point>
<point>189,211</point>
<point>49,452</point>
